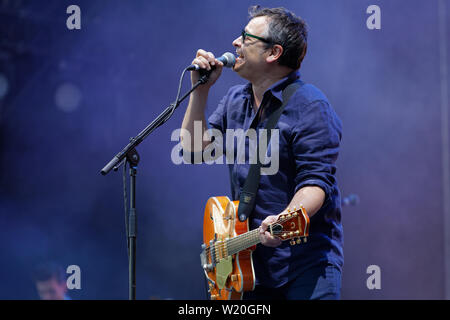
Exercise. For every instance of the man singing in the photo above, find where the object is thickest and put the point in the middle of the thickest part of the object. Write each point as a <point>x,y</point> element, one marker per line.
<point>270,51</point>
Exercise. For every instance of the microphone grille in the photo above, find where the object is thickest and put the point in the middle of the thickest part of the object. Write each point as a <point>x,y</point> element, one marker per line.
<point>230,59</point>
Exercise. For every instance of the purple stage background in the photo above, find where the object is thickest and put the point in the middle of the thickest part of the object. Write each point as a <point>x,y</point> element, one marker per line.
<point>74,97</point>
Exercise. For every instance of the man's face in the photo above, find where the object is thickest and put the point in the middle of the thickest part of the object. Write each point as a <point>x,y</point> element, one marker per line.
<point>51,289</point>
<point>252,52</point>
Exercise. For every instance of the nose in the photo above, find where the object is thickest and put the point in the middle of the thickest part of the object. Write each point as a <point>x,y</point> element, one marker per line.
<point>237,42</point>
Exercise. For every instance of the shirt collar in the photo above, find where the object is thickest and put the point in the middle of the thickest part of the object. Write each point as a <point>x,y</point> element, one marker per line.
<point>277,88</point>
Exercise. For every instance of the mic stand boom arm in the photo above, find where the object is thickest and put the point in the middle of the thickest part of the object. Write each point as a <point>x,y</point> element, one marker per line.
<point>163,117</point>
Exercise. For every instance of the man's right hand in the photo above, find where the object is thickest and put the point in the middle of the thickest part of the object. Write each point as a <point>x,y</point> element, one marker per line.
<point>205,60</point>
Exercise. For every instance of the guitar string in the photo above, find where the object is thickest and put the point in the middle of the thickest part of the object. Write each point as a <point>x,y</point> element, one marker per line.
<point>277,223</point>
<point>241,241</point>
<point>245,241</point>
<point>233,245</point>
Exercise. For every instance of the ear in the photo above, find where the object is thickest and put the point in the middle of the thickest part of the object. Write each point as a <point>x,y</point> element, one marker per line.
<point>275,54</point>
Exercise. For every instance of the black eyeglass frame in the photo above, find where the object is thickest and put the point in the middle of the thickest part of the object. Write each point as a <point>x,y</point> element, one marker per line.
<point>246,34</point>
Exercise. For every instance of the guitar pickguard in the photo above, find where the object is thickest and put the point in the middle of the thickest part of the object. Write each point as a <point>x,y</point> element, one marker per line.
<point>223,270</point>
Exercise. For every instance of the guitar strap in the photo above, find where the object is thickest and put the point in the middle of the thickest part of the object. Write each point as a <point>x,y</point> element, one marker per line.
<point>248,192</point>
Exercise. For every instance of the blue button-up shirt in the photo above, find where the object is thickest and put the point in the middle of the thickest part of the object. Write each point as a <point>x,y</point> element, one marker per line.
<point>309,137</point>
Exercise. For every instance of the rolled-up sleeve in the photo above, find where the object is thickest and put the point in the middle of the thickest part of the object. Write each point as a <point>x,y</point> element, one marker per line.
<point>315,145</point>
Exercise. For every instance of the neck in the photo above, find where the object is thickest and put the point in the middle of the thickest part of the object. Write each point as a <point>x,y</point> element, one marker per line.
<point>260,87</point>
<point>264,82</point>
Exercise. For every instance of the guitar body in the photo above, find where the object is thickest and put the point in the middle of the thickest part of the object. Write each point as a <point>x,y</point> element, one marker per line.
<point>228,243</point>
<point>221,222</point>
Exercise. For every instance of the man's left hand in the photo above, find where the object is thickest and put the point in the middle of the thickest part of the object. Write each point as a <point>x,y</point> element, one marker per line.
<point>266,238</point>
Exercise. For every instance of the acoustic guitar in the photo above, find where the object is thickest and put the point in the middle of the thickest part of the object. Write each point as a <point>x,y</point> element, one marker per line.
<point>227,247</point>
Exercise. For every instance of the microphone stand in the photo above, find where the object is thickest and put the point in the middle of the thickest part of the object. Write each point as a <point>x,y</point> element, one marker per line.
<point>129,155</point>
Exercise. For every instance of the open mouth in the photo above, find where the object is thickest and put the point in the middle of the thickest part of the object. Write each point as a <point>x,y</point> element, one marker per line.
<point>239,61</point>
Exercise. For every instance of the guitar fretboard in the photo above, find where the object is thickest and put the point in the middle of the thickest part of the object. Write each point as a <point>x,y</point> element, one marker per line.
<point>242,242</point>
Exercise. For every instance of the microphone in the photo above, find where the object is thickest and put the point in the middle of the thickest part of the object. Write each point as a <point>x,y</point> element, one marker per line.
<point>350,200</point>
<point>228,59</point>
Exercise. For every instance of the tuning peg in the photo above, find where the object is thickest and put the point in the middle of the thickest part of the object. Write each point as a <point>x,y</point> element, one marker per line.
<point>292,242</point>
<point>305,239</point>
<point>299,240</point>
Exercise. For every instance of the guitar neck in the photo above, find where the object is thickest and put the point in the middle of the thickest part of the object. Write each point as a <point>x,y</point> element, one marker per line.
<point>243,241</point>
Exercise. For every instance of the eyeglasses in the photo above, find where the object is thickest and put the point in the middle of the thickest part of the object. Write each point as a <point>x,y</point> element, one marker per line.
<point>245,34</point>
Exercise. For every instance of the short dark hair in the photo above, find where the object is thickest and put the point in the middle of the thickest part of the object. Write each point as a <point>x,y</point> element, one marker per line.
<point>49,270</point>
<point>287,30</point>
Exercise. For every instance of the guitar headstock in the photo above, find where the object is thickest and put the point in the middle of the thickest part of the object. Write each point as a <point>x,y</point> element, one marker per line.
<point>292,225</point>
